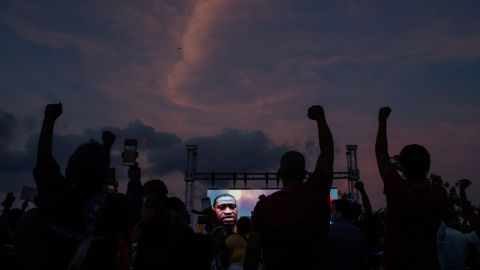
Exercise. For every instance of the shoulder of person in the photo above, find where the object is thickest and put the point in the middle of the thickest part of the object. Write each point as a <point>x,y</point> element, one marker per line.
<point>147,213</point>
<point>440,191</point>
<point>318,173</point>
<point>33,211</point>
<point>355,228</point>
<point>392,173</point>
<point>173,213</point>
<point>45,160</point>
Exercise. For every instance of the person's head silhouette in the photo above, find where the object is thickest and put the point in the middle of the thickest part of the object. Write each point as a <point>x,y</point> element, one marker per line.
<point>243,225</point>
<point>415,162</point>
<point>292,167</point>
<point>178,206</point>
<point>88,166</point>
<point>155,194</point>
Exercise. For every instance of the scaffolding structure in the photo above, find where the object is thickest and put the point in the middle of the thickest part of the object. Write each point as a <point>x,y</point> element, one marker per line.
<point>191,175</point>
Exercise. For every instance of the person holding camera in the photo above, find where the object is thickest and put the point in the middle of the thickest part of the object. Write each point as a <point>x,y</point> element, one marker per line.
<point>299,241</point>
<point>82,220</point>
<point>415,208</point>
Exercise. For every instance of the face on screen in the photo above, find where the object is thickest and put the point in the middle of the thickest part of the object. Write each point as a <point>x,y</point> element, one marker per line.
<point>226,210</point>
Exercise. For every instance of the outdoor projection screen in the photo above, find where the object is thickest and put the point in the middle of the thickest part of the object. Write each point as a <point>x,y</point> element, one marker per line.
<point>246,199</point>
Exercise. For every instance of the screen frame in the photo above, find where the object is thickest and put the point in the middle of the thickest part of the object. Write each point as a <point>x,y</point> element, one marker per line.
<point>209,203</point>
<point>130,142</point>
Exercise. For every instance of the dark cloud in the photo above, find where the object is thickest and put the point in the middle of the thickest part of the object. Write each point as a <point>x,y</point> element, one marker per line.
<point>7,124</point>
<point>231,150</point>
<point>13,161</point>
<point>113,61</point>
<point>236,150</point>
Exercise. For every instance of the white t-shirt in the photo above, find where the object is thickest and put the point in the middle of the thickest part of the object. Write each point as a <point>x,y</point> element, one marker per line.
<point>455,250</point>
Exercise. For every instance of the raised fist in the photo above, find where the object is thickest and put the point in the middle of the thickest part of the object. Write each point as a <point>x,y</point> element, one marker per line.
<point>464,183</point>
<point>8,201</point>
<point>134,172</point>
<point>53,111</point>
<point>384,113</point>
<point>359,185</point>
<point>108,138</point>
<point>316,112</point>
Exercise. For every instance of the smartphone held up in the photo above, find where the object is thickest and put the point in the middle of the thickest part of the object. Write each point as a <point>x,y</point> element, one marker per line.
<point>394,162</point>
<point>206,204</point>
<point>130,153</point>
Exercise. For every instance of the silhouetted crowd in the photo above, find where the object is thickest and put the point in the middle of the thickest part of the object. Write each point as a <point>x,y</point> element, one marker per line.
<point>78,222</point>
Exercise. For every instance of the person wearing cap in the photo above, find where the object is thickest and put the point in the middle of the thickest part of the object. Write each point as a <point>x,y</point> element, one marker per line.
<point>291,225</point>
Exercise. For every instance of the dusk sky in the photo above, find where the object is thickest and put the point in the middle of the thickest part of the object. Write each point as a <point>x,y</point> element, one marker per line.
<point>242,83</point>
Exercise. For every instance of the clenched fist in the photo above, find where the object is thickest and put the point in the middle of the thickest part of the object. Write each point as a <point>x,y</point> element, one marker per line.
<point>134,172</point>
<point>316,112</point>
<point>359,185</point>
<point>53,111</point>
<point>384,112</point>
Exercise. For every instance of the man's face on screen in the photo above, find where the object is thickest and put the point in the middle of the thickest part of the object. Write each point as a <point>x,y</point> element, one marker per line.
<point>226,210</point>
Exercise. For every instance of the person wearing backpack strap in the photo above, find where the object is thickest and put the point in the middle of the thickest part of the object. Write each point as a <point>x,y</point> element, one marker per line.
<point>415,208</point>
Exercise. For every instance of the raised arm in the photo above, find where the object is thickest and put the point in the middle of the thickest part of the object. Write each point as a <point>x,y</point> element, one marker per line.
<point>130,203</point>
<point>52,112</point>
<point>7,204</point>
<point>325,139</point>
<point>365,201</point>
<point>381,145</point>
<point>467,208</point>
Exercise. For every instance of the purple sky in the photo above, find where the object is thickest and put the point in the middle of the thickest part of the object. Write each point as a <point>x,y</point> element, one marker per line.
<point>242,83</point>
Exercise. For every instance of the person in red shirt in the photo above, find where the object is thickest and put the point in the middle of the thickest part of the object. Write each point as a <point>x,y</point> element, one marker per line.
<point>415,208</point>
<point>291,225</point>
<point>125,240</point>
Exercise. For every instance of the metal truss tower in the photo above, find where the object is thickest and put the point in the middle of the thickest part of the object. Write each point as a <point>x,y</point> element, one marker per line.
<point>353,172</point>
<point>190,178</point>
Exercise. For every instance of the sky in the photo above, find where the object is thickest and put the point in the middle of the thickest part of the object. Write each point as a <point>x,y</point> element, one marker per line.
<point>241,85</point>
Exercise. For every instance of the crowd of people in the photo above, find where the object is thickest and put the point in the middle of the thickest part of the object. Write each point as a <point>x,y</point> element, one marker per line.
<point>80,223</point>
